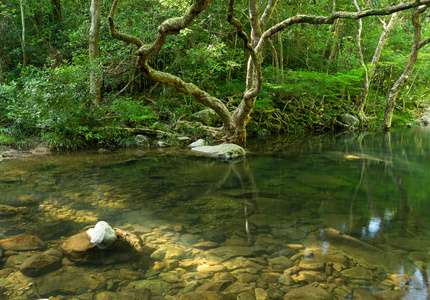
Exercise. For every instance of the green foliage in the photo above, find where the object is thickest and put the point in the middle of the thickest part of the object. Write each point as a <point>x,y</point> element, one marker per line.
<point>132,113</point>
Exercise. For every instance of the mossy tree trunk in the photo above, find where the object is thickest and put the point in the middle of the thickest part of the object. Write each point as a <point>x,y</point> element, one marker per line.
<point>234,123</point>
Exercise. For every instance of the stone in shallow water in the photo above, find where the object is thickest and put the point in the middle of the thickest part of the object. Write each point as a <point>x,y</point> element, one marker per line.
<point>68,280</point>
<point>157,287</point>
<point>75,247</point>
<point>40,264</point>
<point>22,243</point>
<point>206,295</point>
<point>357,274</point>
<point>332,239</point>
<point>308,292</point>
<point>7,210</point>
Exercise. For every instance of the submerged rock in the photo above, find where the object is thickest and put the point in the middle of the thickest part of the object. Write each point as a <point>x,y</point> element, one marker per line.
<point>22,243</point>
<point>43,263</point>
<point>125,247</point>
<point>69,280</point>
<point>308,292</point>
<point>332,239</point>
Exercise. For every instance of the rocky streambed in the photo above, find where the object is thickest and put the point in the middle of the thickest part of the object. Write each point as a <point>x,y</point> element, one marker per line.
<point>177,261</point>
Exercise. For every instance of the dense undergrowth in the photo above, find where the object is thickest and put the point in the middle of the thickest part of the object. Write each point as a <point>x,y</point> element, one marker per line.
<point>52,105</point>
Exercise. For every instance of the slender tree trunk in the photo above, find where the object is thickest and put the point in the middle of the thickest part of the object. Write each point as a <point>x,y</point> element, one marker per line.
<point>368,76</point>
<point>2,81</point>
<point>360,55</point>
<point>95,77</point>
<point>417,45</point>
<point>24,59</point>
<point>56,11</point>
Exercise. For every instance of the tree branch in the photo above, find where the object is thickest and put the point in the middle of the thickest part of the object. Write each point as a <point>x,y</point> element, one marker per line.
<point>121,36</point>
<point>316,20</point>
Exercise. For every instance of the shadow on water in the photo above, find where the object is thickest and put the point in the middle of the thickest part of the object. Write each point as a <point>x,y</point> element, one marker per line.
<point>342,216</point>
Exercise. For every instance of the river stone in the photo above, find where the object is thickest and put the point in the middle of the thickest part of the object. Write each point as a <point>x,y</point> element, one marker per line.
<point>270,277</point>
<point>206,295</point>
<point>222,151</point>
<point>261,294</point>
<point>234,289</point>
<point>245,296</point>
<point>311,264</point>
<point>336,240</point>
<point>214,236</point>
<point>75,247</point>
<point>142,140</point>
<point>7,210</point>
<point>175,253</point>
<point>357,275</point>
<point>286,279</point>
<point>198,143</point>
<point>230,251</point>
<point>40,264</point>
<point>157,287</point>
<point>348,120</point>
<point>282,261</point>
<point>207,117</point>
<point>68,280</point>
<point>308,292</point>
<point>22,243</point>
<point>206,245</point>
<point>211,268</point>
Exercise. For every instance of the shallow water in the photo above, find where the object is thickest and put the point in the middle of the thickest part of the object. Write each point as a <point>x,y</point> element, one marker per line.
<point>370,187</point>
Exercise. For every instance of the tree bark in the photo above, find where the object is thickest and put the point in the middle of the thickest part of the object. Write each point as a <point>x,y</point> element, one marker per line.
<point>2,81</point>
<point>56,11</point>
<point>417,45</point>
<point>369,73</point>
<point>94,51</point>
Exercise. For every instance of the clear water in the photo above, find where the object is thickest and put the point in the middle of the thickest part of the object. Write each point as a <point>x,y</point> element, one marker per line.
<point>372,187</point>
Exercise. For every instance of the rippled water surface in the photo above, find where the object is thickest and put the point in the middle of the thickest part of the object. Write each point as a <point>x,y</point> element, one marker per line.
<point>365,197</point>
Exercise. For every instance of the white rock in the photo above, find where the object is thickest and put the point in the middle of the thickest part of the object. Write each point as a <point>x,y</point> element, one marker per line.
<point>102,234</point>
<point>222,151</point>
<point>198,143</point>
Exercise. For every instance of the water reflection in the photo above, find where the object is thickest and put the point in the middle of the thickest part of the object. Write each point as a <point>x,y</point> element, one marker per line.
<point>352,210</point>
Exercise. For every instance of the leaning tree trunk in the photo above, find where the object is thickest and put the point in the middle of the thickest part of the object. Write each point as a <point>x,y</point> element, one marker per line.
<point>391,101</point>
<point>234,125</point>
<point>369,73</point>
<point>95,77</point>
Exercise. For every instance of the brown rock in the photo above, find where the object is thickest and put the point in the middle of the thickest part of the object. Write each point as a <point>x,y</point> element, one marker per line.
<point>75,247</point>
<point>22,243</point>
<point>130,238</point>
<point>40,264</point>
<point>308,292</point>
<point>311,264</point>
<point>208,295</point>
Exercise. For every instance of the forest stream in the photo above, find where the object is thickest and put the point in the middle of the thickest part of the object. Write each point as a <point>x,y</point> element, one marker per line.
<point>338,217</point>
